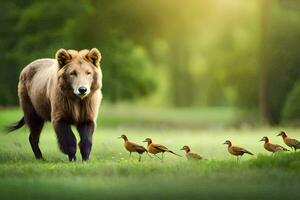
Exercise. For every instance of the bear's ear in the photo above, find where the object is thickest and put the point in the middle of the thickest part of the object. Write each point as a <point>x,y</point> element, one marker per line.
<point>63,57</point>
<point>94,56</point>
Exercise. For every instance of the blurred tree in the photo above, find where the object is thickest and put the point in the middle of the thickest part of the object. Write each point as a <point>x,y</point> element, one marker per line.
<point>204,53</point>
<point>291,109</point>
<point>281,59</point>
<point>8,66</point>
<point>127,71</point>
<point>30,30</point>
<point>264,55</point>
<point>36,29</point>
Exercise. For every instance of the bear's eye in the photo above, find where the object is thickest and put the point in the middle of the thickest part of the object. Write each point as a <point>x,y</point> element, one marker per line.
<point>88,73</point>
<point>73,73</point>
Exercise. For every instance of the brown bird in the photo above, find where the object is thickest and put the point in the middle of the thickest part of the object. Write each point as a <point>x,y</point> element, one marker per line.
<point>236,151</point>
<point>158,148</point>
<point>191,155</point>
<point>133,147</point>
<point>293,143</point>
<point>272,147</point>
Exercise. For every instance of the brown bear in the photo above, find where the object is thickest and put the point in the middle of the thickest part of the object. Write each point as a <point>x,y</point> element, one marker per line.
<point>65,91</point>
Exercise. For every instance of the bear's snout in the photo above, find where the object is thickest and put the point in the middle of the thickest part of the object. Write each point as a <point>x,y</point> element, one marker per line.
<point>82,90</point>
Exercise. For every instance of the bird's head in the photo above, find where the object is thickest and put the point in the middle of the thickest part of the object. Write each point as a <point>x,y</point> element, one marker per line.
<point>148,140</point>
<point>227,142</point>
<point>123,137</point>
<point>265,138</point>
<point>282,134</point>
<point>186,148</point>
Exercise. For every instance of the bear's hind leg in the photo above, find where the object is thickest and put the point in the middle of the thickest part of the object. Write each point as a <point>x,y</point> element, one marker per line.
<point>34,122</point>
<point>34,137</point>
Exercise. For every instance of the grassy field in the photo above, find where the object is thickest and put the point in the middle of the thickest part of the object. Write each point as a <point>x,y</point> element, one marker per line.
<point>111,174</point>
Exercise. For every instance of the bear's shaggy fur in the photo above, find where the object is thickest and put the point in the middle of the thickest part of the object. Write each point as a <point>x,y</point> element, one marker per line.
<point>65,91</point>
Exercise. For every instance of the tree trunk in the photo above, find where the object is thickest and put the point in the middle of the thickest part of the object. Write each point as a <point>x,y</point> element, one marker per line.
<point>263,77</point>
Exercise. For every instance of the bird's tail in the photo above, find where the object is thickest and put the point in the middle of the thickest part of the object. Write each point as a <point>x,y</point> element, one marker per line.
<point>248,152</point>
<point>174,153</point>
<point>15,126</point>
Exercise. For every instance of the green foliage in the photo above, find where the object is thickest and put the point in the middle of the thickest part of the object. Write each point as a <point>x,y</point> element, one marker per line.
<point>210,53</point>
<point>37,29</point>
<point>32,29</point>
<point>282,59</point>
<point>127,71</point>
<point>291,110</point>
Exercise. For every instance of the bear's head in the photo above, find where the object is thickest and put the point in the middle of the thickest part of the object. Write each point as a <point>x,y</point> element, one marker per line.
<point>79,72</point>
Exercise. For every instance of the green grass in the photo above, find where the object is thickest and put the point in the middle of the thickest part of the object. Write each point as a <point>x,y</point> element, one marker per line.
<point>110,174</point>
<point>192,118</point>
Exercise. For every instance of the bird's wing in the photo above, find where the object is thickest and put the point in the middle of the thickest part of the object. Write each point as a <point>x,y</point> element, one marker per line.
<point>295,143</point>
<point>239,149</point>
<point>278,147</point>
<point>137,147</point>
<point>195,156</point>
<point>160,147</point>
<point>140,149</point>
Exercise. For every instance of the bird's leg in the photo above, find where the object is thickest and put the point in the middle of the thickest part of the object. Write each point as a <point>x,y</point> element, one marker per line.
<point>140,157</point>
<point>149,155</point>
<point>157,156</point>
<point>129,154</point>
<point>162,156</point>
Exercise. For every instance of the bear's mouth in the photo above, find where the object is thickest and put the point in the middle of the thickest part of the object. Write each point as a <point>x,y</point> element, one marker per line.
<point>81,96</point>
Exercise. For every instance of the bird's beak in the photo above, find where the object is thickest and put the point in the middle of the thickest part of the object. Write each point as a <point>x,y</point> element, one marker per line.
<point>145,141</point>
<point>181,149</point>
<point>278,134</point>
<point>224,143</point>
<point>119,137</point>
<point>261,140</point>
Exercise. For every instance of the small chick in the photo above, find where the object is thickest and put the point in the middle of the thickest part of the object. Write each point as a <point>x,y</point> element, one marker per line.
<point>236,151</point>
<point>293,143</point>
<point>272,147</point>
<point>158,148</point>
<point>191,155</point>
<point>133,147</point>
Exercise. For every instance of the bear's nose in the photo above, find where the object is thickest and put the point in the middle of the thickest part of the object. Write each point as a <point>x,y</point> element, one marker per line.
<point>82,90</point>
